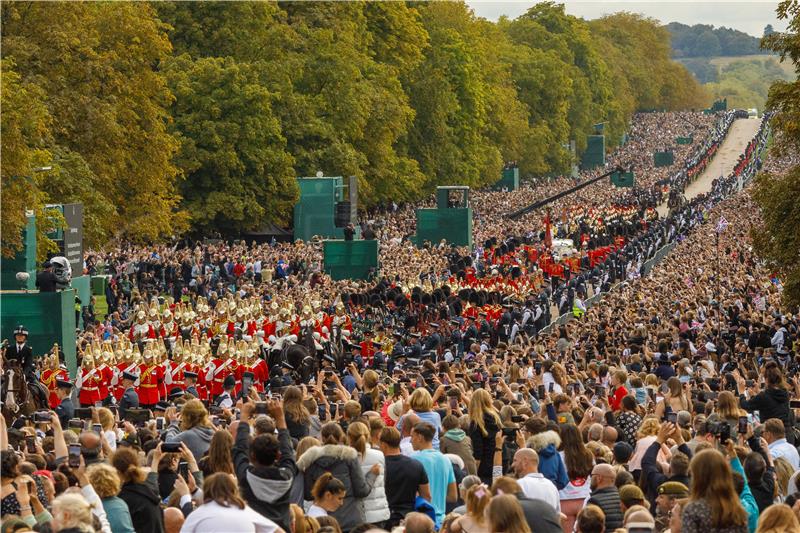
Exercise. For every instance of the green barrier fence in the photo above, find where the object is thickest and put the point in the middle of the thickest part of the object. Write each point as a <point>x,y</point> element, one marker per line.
<point>350,259</point>
<point>453,225</point>
<point>49,317</point>
<point>663,159</point>
<point>595,153</point>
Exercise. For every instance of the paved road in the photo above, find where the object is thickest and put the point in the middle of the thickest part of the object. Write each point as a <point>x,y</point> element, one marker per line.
<point>741,132</point>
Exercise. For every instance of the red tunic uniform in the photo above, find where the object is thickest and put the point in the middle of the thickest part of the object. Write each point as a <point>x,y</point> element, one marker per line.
<point>177,370</point>
<point>89,389</point>
<point>259,368</point>
<point>49,380</point>
<point>149,378</point>
<point>367,352</point>
<point>219,373</point>
<point>104,387</point>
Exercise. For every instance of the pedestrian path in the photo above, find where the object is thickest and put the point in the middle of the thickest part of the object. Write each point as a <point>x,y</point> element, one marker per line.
<point>742,132</point>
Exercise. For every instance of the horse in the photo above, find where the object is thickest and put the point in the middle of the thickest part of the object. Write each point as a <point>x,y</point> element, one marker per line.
<point>20,396</point>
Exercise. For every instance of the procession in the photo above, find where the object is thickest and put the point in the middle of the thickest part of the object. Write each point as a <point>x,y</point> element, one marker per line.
<point>608,347</point>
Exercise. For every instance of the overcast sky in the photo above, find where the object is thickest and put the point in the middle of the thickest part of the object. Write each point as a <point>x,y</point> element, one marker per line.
<point>750,17</point>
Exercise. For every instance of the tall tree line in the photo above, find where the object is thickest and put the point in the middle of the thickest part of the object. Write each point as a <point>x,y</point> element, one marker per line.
<point>171,116</point>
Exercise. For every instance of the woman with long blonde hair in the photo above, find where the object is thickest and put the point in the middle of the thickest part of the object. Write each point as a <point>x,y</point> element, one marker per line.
<point>376,506</point>
<point>484,423</point>
<point>713,502</point>
<point>298,418</point>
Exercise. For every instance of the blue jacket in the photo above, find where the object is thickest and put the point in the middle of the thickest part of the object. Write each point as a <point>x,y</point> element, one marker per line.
<point>119,517</point>
<point>551,465</point>
<point>746,497</point>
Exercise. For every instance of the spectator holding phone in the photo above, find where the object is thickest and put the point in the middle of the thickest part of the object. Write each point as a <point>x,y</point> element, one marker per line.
<point>191,426</point>
<point>265,465</point>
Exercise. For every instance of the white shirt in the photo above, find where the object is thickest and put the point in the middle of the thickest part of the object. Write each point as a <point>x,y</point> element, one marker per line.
<point>315,511</point>
<point>537,487</point>
<point>781,448</point>
<point>212,516</point>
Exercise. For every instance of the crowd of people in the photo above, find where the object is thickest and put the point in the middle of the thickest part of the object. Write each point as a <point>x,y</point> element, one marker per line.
<point>443,396</point>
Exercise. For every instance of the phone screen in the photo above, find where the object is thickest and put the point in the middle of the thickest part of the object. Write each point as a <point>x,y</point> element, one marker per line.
<point>743,424</point>
<point>672,418</point>
<point>183,469</point>
<point>541,392</point>
<point>31,443</point>
<point>74,460</point>
<point>551,387</point>
<point>453,402</point>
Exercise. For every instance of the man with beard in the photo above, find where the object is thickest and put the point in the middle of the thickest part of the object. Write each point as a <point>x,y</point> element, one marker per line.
<point>605,495</point>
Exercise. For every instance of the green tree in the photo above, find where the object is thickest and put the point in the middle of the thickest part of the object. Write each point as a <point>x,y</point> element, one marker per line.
<point>238,172</point>
<point>777,238</point>
<point>26,134</point>
<point>768,30</point>
<point>97,66</point>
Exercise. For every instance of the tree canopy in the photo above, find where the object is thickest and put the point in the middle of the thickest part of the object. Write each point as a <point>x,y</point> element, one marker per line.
<point>171,116</point>
<point>777,239</point>
<point>704,40</point>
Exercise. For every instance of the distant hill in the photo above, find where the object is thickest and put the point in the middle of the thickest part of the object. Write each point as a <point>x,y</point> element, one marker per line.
<point>703,40</point>
<point>744,80</point>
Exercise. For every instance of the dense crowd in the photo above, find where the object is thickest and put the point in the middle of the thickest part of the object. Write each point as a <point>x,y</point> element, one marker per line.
<point>440,397</point>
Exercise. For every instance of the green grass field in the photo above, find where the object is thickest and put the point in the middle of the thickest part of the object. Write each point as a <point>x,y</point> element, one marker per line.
<point>727,60</point>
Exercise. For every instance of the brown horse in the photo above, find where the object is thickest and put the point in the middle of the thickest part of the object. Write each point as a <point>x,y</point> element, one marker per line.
<point>19,396</point>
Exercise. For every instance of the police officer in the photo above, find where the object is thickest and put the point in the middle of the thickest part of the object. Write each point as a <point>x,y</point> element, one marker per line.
<point>471,333</point>
<point>129,399</point>
<point>65,409</point>
<point>378,358</point>
<point>21,352</point>
<point>457,338</point>
<point>483,325</point>
<point>434,339</point>
<point>398,349</point>
<point>225,400</point>
<point>414,350</point>
<point>190,379</point>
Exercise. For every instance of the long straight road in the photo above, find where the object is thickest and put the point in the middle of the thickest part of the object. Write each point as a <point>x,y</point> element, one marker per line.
<point>741,132</point>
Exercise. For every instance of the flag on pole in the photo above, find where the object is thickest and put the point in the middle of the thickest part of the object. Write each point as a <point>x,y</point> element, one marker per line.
<point>722,224</point>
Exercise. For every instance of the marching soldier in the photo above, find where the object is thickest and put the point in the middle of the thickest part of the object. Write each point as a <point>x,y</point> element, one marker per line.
<point>151,374</point>
<point>51,375</point>
<point>88,383</point>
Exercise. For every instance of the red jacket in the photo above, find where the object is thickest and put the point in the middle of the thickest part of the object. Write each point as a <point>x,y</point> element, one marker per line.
<point>616,398</point>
